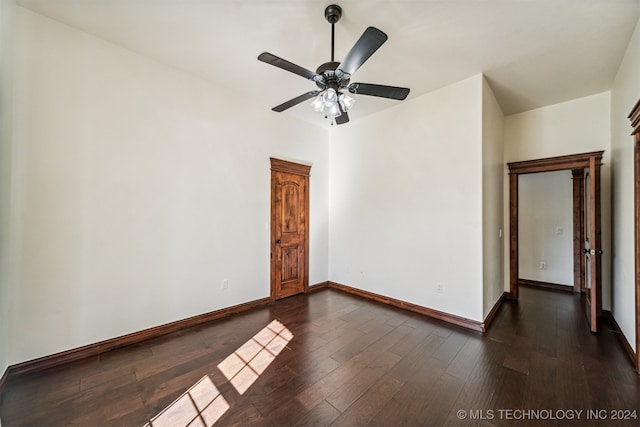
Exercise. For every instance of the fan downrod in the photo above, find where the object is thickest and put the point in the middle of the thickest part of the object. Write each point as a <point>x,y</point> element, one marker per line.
<point>333,13</point>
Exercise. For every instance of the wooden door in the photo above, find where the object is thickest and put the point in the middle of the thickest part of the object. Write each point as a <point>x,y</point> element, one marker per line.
<point>289,228</point>
<point>592,251</point>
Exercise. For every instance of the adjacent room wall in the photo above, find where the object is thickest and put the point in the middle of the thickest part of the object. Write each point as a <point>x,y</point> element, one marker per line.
<point>137,189</point>
<point>492,199</point>
<point>546,227</point>
<point>7,13</point>
<point>577,126</point>
<point>624,94</point>
<point>406,201</point>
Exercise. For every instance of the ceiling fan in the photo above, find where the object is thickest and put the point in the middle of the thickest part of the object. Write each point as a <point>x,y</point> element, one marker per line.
<point>332,77</point>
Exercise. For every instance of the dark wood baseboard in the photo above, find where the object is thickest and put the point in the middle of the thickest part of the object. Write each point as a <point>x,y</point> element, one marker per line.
<point>3,382</point>
<point>623,340</point>
<point>98,348</point>
<point>446,317</point>
<point>493,312</point>
<point>547,285</point>
<point>318,286</point>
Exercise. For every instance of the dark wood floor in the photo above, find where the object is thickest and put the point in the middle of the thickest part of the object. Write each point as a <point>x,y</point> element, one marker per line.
<point>354,362</point>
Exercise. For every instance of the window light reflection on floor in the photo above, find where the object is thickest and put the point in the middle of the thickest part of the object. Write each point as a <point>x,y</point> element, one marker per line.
<point>203,404</point>
<point>245,365</point>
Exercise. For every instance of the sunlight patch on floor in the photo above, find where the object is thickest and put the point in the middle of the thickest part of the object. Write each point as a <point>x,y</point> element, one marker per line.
<point>203,404</point>
<point>244,366</point>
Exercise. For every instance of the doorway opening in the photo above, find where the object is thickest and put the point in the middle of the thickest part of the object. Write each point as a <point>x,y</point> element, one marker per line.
<point>545,231</point>
<point>587,259</point>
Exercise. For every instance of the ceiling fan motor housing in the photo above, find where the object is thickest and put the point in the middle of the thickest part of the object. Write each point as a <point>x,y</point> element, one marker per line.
<point>333,13</point>
<point>329,77</point>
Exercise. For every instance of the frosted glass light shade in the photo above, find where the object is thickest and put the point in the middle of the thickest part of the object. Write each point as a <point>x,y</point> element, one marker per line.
<point>317,104</point>
<point>346,102</point>
<point>334,111</point>
<point>330,97</point>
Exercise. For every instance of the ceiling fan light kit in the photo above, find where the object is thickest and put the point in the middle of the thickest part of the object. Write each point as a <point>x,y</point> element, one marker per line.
<point>333,77</point>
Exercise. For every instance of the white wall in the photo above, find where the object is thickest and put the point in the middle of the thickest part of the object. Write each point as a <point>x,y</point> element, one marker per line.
<point>624,95</point>
<point>492,198</point>
<point>7,13</point>
<point>546,205</point>
<point>138,189</point>
<point>406,201</point>
<point>577,126</point>
<point>130,188</point>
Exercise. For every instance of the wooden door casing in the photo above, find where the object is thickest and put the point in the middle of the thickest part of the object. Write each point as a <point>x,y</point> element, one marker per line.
<point>578,231</point>
<point>289,228</point>
<point>576,162</point>
<point>634,117</point>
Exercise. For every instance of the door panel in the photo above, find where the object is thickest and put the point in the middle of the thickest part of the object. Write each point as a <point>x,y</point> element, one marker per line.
<point>591,318</point>
<point>290,215</point>
<point>289,230</point>
<point>592,251</point>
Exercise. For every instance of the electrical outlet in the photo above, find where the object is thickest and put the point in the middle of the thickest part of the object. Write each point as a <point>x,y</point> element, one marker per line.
<point>543,265</point>
<point>224,284</point>
<point>440,288</point>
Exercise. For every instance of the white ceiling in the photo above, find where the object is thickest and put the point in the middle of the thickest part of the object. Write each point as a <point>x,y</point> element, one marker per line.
<point>533,52</point>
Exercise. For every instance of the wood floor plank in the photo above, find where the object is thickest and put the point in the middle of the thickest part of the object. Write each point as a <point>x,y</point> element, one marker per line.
<point>451,346</point>
<point>407,343</point>
<point>360,343</point>
<point>466,359</point>
<point>322,415</point>
<point>351,391</point>
<point>474,399</point>
<point>364,409</point>
<point>509,394</point>
<point>442,401</point>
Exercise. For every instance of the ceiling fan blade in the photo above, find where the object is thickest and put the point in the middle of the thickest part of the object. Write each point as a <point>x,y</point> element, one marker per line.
<point>367,44</point>
<point>286,65</point>
<point>295,101</point>
<point>392,92</point>
<point>342,118</point>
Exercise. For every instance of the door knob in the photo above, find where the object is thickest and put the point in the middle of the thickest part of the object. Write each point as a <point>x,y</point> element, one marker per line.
<point>278,242</point>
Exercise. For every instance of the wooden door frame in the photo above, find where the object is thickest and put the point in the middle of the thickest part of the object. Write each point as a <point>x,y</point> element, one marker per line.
<point>634,116</point>
<point>278,165</point>
<point>578,230</point>
<point>550,164</point>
